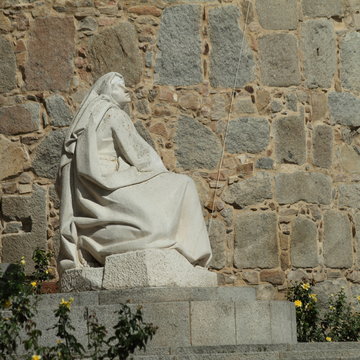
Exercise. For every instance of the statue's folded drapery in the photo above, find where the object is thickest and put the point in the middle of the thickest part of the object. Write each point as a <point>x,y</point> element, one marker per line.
<point>116,194</point>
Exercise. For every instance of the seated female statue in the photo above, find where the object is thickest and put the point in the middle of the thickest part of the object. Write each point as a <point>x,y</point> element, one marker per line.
<point>116,194</point>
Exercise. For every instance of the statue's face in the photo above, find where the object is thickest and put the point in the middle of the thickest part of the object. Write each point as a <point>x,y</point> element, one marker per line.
<point>119,92</point>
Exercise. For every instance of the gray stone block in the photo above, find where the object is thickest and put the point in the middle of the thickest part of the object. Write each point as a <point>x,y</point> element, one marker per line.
<point>344,109</point>
<point>218,237</point>
<point>154,268</point>
<point>7,66</point>
<point>349,195</point>
<point>279,64</point>
<point>226,40</point>
<point>81,299</point>
<point>48,153</point>
<point>357,237</point>
<point>256,240</point>
<point>290,140</point>
<point>271,18</point>
<point>83,279</point>
<point>302,186</point>
<point>58,110</point>
<point>323,139</point>
<point>304,252</point>
<point>264,163</point>
<point>179,58</point>
<point>197,147</point>
<point>319,8</point>
<point>144,133</point>
<point>337,240</point>
<point>218,316</point>
<point>319,48</point>
<point>253,322</point>
<point>283,322</point>
<point>350,61</point>
<point>250,191</point>
<point>243,105</point>
<point>170,294</point>
<point>116,49</point>
<point>247,135</point>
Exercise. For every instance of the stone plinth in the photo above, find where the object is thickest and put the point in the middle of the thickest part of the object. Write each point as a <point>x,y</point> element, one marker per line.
<point>145,268</point>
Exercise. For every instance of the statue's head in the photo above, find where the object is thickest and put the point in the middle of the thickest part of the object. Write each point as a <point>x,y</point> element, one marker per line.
<point>113,85</point>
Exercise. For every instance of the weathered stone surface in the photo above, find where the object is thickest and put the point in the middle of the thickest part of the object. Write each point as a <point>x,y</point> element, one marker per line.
<point>243,105</point>
<point>337,240</point>
<point>328,287</point>
<point>323,140</point>
<point>116,49</point>
<point>247,135</point>
<point>51,49</point>
<point>303,186</point>
<point>304,243</point>
<point>279,60</point>
<point>348,159</point>
<point>179,57</point>
<point>144,133</point>
<point>319,48</point>
<point>349,195</point>
<point>271,18</point>
<point>58,111</point>
<point>7,66</point>
<point>249,192</point>
<point>84,279</point>
<point>319,105</point>
<point>290,140</point>
<point>344,109</point>
<point>227,39</point>
<point>196,145</point>
<point>264,163</point>
<point>13,157</point>
<point>357,239</point>
<point>31,211</point>
<point>350,61</point>
<point>19,119</point>
<point>317,8</point>
<point>273,276</point>
<point>256,240</point>
<point>217,235</point>
<point>48,153</point>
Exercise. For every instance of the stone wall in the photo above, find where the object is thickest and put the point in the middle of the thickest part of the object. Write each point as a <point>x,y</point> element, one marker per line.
<point>288,196</point>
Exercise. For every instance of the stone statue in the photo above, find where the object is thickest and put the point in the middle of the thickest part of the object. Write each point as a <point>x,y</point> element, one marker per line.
<point>116,194</point>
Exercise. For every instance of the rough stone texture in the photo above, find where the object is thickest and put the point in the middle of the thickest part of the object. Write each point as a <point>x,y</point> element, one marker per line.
<point>290,140</point>
<point>84,279</point>
<point>319,8</point>
<point>50,53</point>
<point>7,66</point>
<point>58,110</point>
<point>319,48</point>
<point>323,139</point>
<point>116,49</point>
<point>48,153</point>
<point>350,61</point>
<point>144,133</point>
<point>19,119</point>
<point>348,158</point>
<point>196,145</point>
<point>217,235</point>
<point>264,163</point>
<point>303,186</point>
<point>349,195</point>
<point>13,157</point>
<point>226,42</point>
<point>247,135</point>
<point>178,61</point>
<point>328,287</point>
<point>337,240</point>
<point>273,276</point>
<point>256,240</point>
<point>344,109</point>
<point>319,104</point>
<point>31,211</point>
<point>304,243</point>
<point>249,192</point>
<point>357,237</point>
<point>154,268</point>
<point>243,105</point>
<point>279,60</point>
<point>271,18</point>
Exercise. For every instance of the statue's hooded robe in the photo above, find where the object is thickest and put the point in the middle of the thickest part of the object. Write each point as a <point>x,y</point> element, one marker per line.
<point>116,194</point>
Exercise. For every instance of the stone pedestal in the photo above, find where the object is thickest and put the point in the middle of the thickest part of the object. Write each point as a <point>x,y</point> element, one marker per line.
<point>145,268</point>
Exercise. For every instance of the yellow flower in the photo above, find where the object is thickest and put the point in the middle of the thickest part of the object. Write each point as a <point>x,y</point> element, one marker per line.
<point>46,272</point>
<point>328,338</point>
<point>7,304</point>
<point>331,308</point>
<point>305,286</point>
<point>67,303</point>
<point>358,298</point>
<point>298,303</point>
<point>33,283</point>
<point>58,341</point>
<point>22,261</point>
<point>36,357</point>
<point>313,297</point>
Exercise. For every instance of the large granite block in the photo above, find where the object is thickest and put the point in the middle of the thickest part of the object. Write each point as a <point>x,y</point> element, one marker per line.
<point>323,140</point>
<point>7,66</point>
<point>154,267</point>
<point>344,109</point>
